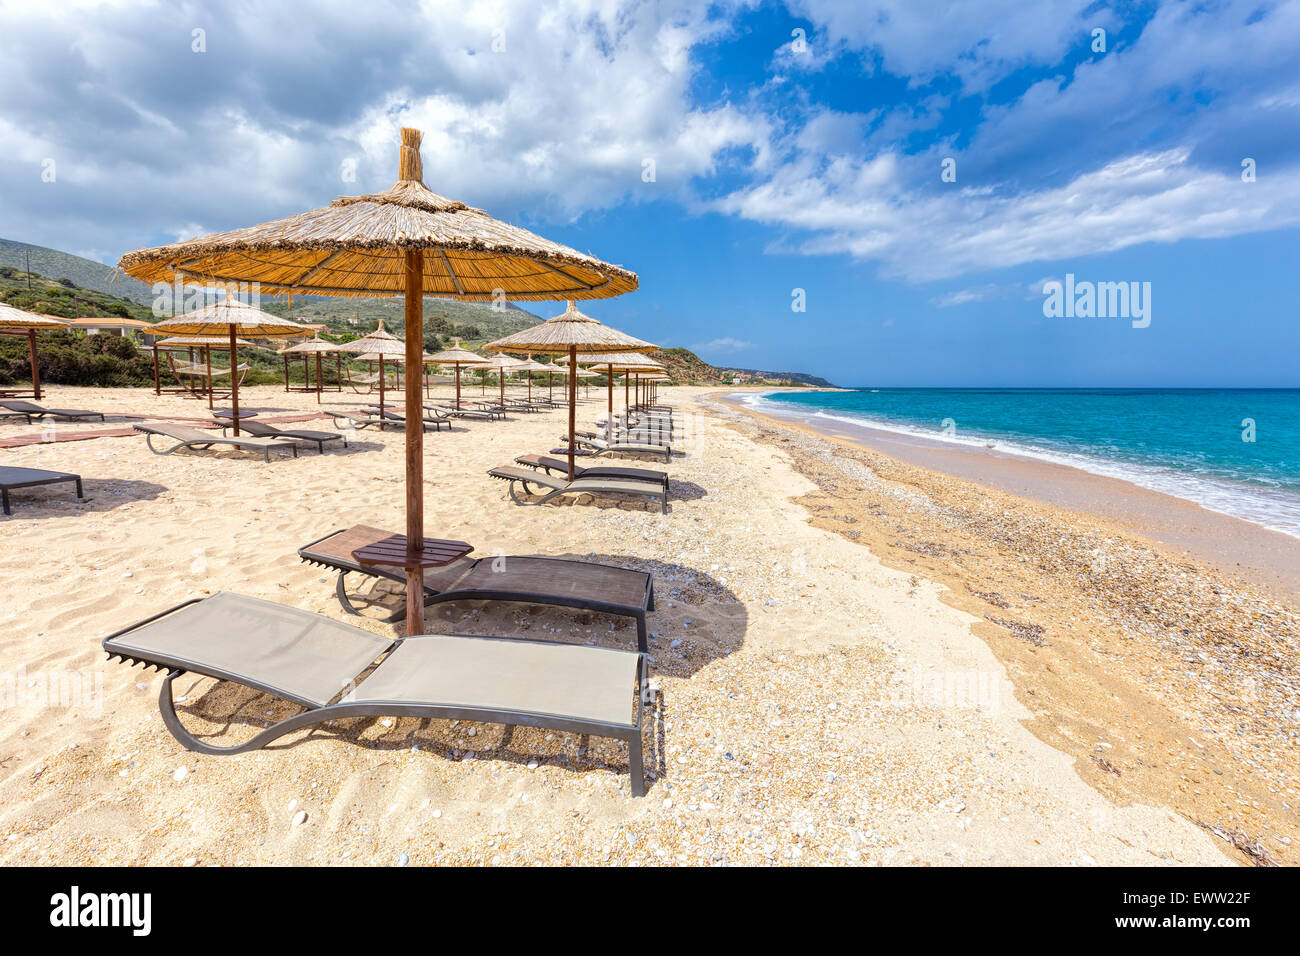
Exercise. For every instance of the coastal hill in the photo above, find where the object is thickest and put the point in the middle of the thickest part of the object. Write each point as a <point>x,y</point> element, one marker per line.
<point>65,285</point>
<point>86,273</point>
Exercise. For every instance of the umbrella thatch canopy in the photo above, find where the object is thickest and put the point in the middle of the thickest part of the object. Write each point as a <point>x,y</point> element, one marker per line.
<point>228,317</point>
<point>459,358</point>
<point>409,241</point>
<point>218,342</point>
<point>314,346</point>
<point>18,322</point>
<point>572,333</point>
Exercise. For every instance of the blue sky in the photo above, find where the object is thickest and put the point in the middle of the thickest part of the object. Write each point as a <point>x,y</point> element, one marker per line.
<point>779,165</point>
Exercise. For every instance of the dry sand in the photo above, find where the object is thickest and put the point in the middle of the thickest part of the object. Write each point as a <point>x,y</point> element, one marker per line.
<point>813,705</point>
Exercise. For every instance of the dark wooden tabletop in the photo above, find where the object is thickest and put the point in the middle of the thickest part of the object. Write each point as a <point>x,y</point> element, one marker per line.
<point>393,552</point>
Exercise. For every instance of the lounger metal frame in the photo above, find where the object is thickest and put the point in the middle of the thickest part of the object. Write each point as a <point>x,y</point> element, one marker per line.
<point>208,443</point>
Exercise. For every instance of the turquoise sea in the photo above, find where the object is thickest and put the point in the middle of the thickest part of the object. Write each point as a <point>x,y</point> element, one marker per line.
<point>1233,450</point>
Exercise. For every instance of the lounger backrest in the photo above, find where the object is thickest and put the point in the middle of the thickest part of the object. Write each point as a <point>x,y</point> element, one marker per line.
<point>179,432</point>
<point>291,653</point>
<point>22,407</point>
<point>259,428</point>
<point>538,478</point>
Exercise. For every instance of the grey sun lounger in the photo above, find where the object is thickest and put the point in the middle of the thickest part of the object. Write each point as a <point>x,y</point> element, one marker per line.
<point>365,417</point>
<point>262,430</point>
<point>451,411</point>
<point>579,486</point>
<point>558,582</point>
<point>317,664</point>
<point>186,437</point>
<point>12,478</point>
<point>552,465</point>
<point>598,446</point>
<point>30,411</point>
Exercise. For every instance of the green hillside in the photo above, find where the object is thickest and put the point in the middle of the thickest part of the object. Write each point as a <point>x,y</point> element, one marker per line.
<point>63,297</point>
<point>88,274</point>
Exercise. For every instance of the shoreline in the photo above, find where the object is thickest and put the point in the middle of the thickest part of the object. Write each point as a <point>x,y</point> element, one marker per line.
<point>1267,558</point>
<point>1168,680</point>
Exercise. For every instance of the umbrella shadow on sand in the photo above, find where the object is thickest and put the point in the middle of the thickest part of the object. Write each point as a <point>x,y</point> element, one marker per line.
<point>696,620</point>
<point>101,495</point>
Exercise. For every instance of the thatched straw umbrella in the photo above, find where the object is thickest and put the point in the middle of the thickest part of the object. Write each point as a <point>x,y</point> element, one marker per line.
<point>458,357</point>
<point>610,362</point>
<point>229,317</point>
<point>569,332</point>
<point>528,366</point>
<point>405,241</point>
<point>504,365</point>
<point>17,322</point>
<point>380,345</point>
<point>317,347</point>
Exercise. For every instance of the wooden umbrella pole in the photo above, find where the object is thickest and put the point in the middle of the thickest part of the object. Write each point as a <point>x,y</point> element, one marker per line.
<point>318,378</point>
<point>458,385</point>
<point>382,409</point>
<point>414,439</point>
<point>207,358</point>
<point>573,403</point>
<point>36,368</point>
<point>157,385</point>
<point>609,414</point>
<point>285,359</point>
<point>234,382</point>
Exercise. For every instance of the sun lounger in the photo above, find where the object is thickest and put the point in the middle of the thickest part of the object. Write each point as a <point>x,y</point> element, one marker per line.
<point>449,411</point>
<point>11,478</point>
<point>579,486</point>
<point>262,430</point>
<point>30,411</point>
<point>552,465</point>
<point>315,663</point>
<point>596,445</point>
<point>373,416</point>
<point>557,582</point>
<point>186,437</point>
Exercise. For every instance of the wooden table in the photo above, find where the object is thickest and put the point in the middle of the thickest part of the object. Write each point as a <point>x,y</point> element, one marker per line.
<point>393,552</point>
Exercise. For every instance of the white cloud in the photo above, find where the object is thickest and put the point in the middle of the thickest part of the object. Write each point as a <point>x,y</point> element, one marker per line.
<point>725,344</point>
<point>152,138</point>
<point>1157,197</point>
<point>977,42</point>
<point>1054,173</point>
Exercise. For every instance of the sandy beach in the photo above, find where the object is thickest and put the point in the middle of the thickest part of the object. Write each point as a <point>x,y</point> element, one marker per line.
<point>856,660</point>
